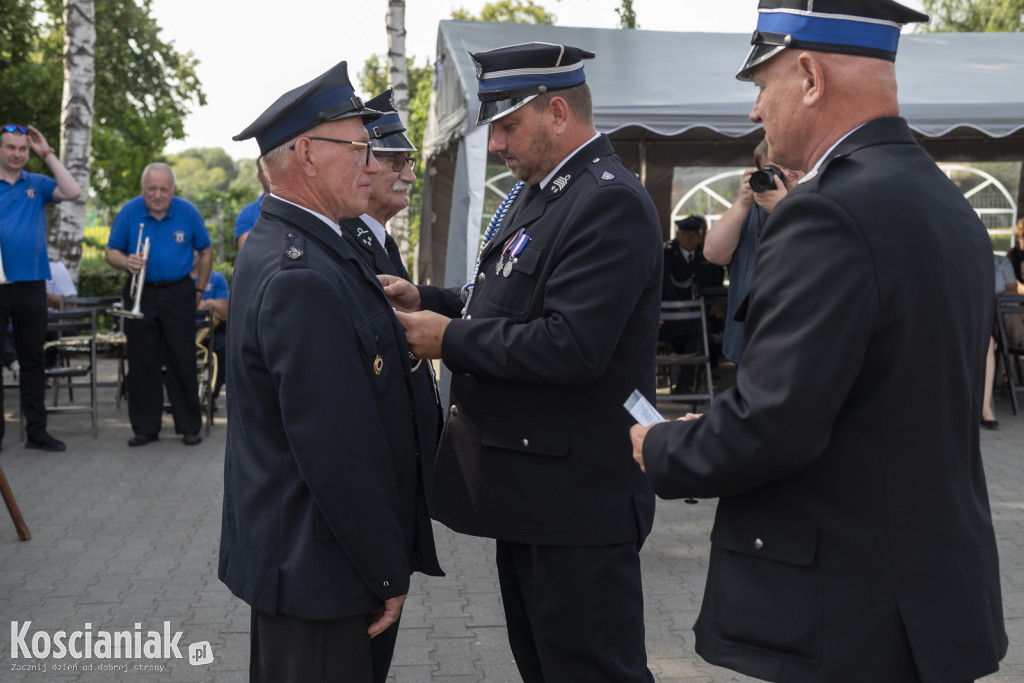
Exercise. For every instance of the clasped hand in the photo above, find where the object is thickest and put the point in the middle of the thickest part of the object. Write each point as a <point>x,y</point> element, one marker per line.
<point>424,330</point>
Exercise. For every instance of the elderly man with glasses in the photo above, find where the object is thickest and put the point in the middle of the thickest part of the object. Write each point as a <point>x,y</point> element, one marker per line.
<point>324,512</point>
<point>26,266</point>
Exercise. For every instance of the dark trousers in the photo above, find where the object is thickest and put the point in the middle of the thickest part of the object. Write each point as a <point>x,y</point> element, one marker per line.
<point>24,305</point>
<point>286,649</point>
<point>574,613</point>
<point>166,333</point>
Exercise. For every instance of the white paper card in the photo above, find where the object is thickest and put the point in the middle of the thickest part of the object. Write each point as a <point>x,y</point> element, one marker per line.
<point>642,410</point>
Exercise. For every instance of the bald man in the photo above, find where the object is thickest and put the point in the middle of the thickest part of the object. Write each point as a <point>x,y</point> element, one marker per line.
<point>853,539</point>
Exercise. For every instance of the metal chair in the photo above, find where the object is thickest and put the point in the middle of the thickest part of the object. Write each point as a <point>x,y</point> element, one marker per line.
<point>75,346</point>
<point>1010,353</point>
<point>668,359</point>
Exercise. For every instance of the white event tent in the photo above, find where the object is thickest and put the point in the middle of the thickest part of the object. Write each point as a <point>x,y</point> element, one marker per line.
<point>670,99</point>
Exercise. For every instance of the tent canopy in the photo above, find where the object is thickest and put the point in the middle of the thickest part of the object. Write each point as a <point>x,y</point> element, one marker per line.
<point>670,99</point>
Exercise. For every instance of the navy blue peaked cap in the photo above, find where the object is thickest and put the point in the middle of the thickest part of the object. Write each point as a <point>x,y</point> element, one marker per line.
<point>870,28</point>
<point>509,77</point>
<point>387,134</point>
<point>328,97</point>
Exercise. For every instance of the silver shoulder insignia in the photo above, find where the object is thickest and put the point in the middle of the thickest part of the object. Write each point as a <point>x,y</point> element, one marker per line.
<point>560,183</point>
<point>607,175</point>
<point>293,253</point>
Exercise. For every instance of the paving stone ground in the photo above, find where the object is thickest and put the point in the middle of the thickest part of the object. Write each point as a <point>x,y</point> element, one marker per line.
<point>129,535</point>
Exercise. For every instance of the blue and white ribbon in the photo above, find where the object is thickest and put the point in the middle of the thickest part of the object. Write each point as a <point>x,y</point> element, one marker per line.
<point>489,233</point>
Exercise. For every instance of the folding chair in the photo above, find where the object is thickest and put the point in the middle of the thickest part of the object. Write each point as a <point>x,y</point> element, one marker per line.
<point>1010,353</point>
<point>75,347</point>
<point>668,359</point>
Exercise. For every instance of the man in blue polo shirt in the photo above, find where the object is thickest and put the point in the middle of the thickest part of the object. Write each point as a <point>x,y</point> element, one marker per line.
<point>169,300</point>
<point>26,266</point>
<point>250,213</point>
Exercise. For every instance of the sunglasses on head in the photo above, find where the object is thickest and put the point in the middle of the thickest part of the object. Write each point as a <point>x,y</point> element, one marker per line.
<point>13,128</point>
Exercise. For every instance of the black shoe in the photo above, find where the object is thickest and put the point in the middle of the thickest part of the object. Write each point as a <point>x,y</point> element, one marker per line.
<point>45,442</point>
<point>142,439</point>
<point>191,439</point>
<point>990,424</point>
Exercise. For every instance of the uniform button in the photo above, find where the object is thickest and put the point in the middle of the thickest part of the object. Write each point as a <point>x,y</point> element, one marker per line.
<point>526,443</point>
<point>453,411</point>
<point>596,159</point>
<point>469,316</point>
<point>758,544</point>
<point>385,584</point>
<point>291,235</point>
<point>480,277</point>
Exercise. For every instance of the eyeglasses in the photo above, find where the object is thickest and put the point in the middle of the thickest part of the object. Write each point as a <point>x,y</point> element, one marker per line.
<point>398,161</point>
<point>12,128</point>
<point>354,143</point>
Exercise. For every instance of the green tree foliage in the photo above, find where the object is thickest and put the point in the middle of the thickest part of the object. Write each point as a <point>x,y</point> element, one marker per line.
<point>982,16</point>
<point>511,11</point>
<point>627,16</point>
<point>144,87</point>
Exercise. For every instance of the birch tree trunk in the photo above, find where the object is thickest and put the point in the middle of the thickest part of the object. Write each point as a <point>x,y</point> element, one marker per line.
<point>398,80</point>
<point>76,127</point>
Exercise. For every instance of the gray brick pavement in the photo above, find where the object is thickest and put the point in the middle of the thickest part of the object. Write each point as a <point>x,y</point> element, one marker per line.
<point>124,536</point>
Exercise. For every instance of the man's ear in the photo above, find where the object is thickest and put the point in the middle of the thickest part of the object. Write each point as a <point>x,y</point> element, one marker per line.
<point>812,77</point>
<point>558,109</point>
<point>304,156</point>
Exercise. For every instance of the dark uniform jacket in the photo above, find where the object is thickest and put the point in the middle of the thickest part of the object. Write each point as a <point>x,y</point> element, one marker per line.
<point>536,447</point>
<point>427,403</point>
<point>853,540</point>
<point>323,516</point>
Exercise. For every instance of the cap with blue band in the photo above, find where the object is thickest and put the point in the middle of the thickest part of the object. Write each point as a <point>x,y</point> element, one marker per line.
<point>869,28</point>
<point>328,97</point>
<point>387,134</point>
<point>509,77</point>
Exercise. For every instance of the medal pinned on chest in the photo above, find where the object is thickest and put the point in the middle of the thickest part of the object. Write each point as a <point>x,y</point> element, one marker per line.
<point>510,254</point>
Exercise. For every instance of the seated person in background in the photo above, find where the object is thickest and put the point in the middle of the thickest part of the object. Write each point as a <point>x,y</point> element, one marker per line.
<point>215,298</point>
<point>1006,284</point>
<point>686,270</point>
<point>732,240</point>
<point>59,285</point>
<point>249,213</point>
<point>1016,252</point>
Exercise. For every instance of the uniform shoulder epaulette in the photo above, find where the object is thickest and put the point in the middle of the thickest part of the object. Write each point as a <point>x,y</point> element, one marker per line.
<point>603,169</point>
<point>294,252</point>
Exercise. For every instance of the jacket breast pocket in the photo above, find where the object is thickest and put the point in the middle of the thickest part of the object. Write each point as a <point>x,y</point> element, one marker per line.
<point>380,352</point>
<point>526,475</point>
<point>510,296</point>
<point>768,588</point>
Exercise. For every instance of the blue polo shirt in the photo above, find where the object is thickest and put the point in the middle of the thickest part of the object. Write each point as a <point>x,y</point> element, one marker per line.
<point>216,287</point>
<point>23,226</point>
<point>247,217</point>
<point>171,239</point>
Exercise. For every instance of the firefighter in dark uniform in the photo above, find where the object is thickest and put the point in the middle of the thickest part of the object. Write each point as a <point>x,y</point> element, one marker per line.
<point>324,519</point>
<point>389,195</point>
<point>853,538</point>
<point>559,328</point>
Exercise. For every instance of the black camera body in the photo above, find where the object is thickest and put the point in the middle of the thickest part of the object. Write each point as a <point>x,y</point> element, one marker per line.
<point>762,179</point>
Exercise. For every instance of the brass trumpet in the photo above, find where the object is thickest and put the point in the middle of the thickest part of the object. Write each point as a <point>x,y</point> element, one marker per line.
<point>138,280</point>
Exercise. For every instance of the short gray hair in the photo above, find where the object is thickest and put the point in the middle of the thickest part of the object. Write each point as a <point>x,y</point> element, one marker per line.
<point>159,166</point>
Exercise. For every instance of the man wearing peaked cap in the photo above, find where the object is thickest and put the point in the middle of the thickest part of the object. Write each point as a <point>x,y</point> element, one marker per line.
<point>324,514</point>
<point>558,328</point>
<point>368,236</point>
<point>853,538</point>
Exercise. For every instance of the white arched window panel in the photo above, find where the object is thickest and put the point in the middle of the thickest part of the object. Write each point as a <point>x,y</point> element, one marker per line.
<point>988,197</point>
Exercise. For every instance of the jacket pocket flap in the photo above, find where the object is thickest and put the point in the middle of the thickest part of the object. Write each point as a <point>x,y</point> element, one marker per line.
<point>789,541</point>
<point>526,438</point>
<point>375,332</point>
<point>527,260</point>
